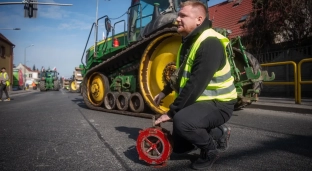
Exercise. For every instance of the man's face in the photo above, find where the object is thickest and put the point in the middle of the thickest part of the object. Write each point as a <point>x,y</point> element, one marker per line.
<point>187,20</point>
<point>3,70</point>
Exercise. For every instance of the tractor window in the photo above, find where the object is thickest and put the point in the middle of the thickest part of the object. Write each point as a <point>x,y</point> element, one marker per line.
<point>147,11</point>
<point>47,74</point>
<point>146,8</point>
<point>54,74</point>
<point>50,74</point>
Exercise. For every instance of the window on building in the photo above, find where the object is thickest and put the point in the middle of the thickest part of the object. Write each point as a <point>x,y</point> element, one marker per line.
<point>30,75</point>
<point>2,51</point>
<point>243,18</point>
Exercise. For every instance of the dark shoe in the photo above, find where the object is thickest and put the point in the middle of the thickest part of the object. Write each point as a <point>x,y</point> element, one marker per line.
<point>223,141</point>
<point>205,160</point>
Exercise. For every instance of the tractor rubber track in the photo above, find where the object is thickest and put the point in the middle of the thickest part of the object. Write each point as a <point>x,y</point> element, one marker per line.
<point>102,65</point>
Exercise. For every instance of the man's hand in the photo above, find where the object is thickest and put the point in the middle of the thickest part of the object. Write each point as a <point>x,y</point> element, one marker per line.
<point>161,119</point>
<point>159,97</point>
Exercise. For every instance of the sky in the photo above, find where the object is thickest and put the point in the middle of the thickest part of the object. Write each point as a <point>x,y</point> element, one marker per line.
<point>59,33</point>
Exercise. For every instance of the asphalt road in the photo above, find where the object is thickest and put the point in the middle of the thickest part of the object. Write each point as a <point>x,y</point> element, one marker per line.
<point>54,131</point>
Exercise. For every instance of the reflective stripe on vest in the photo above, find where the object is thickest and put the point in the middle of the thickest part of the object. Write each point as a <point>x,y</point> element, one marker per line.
<point>221,86</point>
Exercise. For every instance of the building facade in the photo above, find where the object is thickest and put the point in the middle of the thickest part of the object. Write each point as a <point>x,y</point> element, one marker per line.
<point>30,74</point>
<point>6,56</point>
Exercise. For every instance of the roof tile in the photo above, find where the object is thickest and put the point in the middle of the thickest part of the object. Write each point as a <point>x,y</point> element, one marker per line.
<point>227,15</point>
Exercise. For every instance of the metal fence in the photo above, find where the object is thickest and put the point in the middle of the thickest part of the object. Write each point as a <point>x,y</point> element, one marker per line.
<point>292,54</point>
<point>286,73</point>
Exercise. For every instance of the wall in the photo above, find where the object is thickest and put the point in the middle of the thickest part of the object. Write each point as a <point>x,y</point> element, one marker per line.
<point>7,60</point>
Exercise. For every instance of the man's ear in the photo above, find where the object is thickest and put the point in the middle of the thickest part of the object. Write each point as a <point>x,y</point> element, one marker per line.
<point>200,20</point>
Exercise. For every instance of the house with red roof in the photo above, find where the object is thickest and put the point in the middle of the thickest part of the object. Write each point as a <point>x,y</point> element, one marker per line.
<point>30,74</point>
<point>231,15</point>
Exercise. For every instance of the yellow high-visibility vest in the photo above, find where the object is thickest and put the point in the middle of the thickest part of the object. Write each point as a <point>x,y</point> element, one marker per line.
<point>5,76</point>
<point>221,87</point>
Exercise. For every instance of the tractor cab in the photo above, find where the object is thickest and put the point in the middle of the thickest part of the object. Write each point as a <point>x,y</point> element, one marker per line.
<point>147,16</point>
<point>51,74</point>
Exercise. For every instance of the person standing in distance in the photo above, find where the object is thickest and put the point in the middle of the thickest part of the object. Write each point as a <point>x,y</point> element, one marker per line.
<point>4,84</point>
<point>206,94</point>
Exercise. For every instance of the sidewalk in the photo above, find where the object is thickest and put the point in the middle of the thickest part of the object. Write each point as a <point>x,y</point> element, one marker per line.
<point>283,104</point>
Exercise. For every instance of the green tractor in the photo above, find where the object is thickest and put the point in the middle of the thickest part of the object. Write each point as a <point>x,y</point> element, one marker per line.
<point>49,80</point>
<point>124,72</point>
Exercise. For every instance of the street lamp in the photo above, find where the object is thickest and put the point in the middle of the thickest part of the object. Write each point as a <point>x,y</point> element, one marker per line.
<point>10,28</point>
<point>25,64</point>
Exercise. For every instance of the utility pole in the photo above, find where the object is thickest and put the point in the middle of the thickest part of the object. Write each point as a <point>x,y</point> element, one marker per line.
<point>25,64</point>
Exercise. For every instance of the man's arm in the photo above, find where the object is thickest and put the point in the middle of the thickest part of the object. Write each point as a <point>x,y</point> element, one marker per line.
<point>209,58</point>
<point>167,89</point>
<point>6,78</point>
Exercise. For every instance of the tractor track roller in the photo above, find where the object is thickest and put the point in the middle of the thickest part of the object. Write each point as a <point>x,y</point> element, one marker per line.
<point>122,101</point>
<point>136,103</point>
<point>110,100</point>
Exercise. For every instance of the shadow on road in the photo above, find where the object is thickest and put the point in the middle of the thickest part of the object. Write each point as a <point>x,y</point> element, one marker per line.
<point>133,133</point>
<point>133,155</point>
<point>131,152</point>
<point>80,103</point>
<point>300,145</point>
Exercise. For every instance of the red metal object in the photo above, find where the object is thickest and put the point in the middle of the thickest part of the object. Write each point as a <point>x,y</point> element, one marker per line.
<point>116,42</point>
<point>154,145</point>
<point>20,78</point>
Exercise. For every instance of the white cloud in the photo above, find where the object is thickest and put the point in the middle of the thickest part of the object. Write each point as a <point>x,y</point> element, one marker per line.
<point>75,24</point>
<point>51,12</point>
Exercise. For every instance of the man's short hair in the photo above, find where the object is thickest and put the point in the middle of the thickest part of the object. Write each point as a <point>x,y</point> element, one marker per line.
<point>2,68</point>
<point>194,3</point>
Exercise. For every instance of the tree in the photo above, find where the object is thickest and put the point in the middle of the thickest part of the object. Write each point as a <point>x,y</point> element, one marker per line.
<point>34,68</point>
<point>277,21</point>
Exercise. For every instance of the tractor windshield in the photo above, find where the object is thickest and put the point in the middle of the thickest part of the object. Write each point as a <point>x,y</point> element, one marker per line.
<point>50,74</point>
<point>141,12</point>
